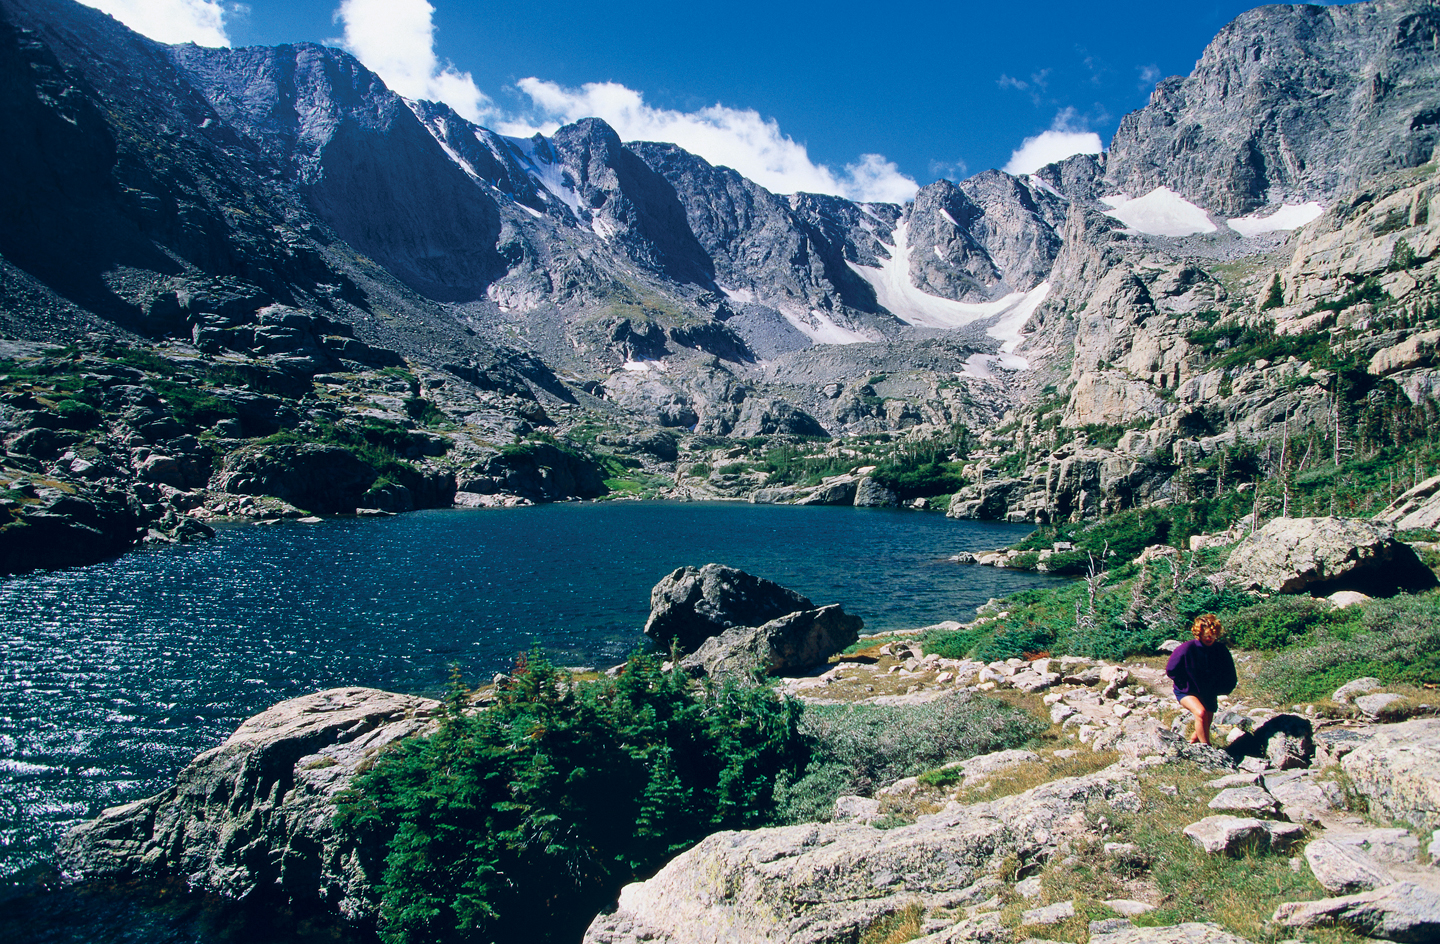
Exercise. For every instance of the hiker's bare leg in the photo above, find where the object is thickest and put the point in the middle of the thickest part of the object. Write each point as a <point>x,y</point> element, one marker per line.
<point>1203,717</point>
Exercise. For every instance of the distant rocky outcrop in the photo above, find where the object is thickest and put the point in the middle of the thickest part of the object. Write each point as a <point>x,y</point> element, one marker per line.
<point>1322,555</point>
<point>1232,137</point>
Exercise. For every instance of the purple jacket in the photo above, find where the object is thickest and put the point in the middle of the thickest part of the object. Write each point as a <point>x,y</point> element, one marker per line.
<point>1205,671</point>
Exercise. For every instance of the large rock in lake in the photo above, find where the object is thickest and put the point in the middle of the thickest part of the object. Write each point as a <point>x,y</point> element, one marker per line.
<point>693,604</point>
<point>256,814</point>
<point>793,643</point>
<point>1321,555</point>
<point>730,623</point>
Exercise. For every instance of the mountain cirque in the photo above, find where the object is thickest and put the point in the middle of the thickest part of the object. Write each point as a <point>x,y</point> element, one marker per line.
<point>320,255</point>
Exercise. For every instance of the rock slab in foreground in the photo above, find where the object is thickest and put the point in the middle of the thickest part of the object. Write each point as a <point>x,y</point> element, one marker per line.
<point>825,882</point>
<point>692,604</point>
<point>1402,912</point>
<point>1321,555</point>
<point>1398,769</point>
<point>257,812</point>
<point>1233,835</point>
<point>1191,933</point>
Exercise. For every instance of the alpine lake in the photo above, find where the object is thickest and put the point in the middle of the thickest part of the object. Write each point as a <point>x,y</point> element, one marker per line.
<point>117,674</point>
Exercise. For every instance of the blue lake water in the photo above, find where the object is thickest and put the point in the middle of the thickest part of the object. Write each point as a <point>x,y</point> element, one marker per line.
<point>115,675</point>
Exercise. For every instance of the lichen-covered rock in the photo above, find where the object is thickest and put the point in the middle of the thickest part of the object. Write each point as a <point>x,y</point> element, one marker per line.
<point>1402,912</point>
<point>257,812</point>
<point>1350,690</point>
<point>1344,868</point>
<point>1233,835</point>
<point>1398,770</point>
<point>820,883</point>
<point>1253,800</point>
<point>1321,555</point>
<point>1191,933</point>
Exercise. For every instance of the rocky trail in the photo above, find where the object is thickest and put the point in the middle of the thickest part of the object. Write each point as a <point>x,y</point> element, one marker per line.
<point>1290,785</point>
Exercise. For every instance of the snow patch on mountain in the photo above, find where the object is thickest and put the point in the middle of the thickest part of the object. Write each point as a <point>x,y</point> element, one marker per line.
<point>1289,216</point>
<point>547,173</point>
<point>985,365</point>
<point>822,329</point>
<point>893,289</point>
<point>1007,329</point>
<point>1161,212</point>
<point>1039,184</point>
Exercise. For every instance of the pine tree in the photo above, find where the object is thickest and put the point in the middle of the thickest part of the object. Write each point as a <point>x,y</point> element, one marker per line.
<point>1276,296</point>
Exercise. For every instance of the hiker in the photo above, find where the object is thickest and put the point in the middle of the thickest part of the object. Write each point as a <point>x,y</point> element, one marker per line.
<point>1202,670</point>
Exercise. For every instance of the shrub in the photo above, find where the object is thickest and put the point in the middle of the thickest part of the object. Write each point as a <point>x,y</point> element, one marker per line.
<point>1395,640</point>
<point>74,414</point>
<point>193,406</point>
<point>1276,296</point>
<point>1403,256</point>
<point>1277,622</point>
<point>922,481</point>
<point>857,748</point>
<point>522,821</point>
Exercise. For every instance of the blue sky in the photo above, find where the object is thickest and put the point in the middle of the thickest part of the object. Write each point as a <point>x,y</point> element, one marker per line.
<point>866,100</point>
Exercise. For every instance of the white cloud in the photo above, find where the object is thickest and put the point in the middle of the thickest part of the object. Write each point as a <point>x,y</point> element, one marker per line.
<point>170,21</point>
<point>396,40</point>
<point>1063,140</point>
<point>738,138</point>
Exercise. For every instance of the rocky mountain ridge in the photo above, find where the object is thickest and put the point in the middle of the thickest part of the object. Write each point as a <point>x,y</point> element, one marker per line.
<point>280,213</point>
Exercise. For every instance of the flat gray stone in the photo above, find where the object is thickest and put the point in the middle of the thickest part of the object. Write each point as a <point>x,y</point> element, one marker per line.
<point>1284,835</point>
<point>1234,780</point>
<point>1362,686</point>
<point>1397,846</point>
<point>1253,800</point>
<point>1403,912</point>
<point>1049,914</point>
<point>1191,933</point>
<point>1372,706</point>
<point>855,809</point>
<point>1228,835</point>
<point>1301,796</point>
<point>1128,907</point>
<point>1344,868</point>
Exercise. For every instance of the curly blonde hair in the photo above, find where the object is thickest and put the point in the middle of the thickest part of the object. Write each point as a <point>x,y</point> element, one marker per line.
<point>1207,628</point>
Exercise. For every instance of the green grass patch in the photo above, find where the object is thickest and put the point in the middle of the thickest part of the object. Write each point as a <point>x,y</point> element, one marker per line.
<point>859,747</point>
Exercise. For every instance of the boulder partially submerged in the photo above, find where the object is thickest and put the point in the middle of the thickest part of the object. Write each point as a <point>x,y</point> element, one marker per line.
<point>727,622</point>
<point>692,604</point>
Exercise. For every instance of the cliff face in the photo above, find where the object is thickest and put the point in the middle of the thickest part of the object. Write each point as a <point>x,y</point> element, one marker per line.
<point>254,816</point>
<point>1289,103</point>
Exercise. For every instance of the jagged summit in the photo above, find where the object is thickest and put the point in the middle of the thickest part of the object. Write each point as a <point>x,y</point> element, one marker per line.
<point>282,209</point>
<point>1290,104</point>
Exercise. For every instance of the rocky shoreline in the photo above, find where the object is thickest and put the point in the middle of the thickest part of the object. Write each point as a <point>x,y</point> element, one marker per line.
<point>974,851</point>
